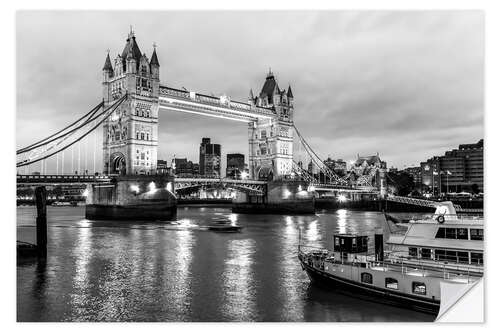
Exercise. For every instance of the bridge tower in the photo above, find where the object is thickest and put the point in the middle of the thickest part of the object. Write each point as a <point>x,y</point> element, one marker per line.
<point>271,141</point>
<point>131,133</point>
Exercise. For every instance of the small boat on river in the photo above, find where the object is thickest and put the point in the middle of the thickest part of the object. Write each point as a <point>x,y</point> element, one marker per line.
<point>224,225</point>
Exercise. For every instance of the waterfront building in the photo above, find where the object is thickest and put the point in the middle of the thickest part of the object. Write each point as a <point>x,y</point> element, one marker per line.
<point>431,180</point>
<point>209,158</point>
<point>235,165</point>
<point>416,173</point>
<point>185,168</point>
<point>339,166</point>
<point>161,167</point>
<point>456,171</point>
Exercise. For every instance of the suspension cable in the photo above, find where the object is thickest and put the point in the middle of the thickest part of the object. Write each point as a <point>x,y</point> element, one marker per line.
<point>112,108</point>
<point>65,135</point>
<point>326,170</point>
<point>89,114</point>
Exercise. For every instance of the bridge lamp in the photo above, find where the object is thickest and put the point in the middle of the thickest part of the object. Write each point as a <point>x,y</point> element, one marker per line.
<point>244,175</point>
<point>134,188</point>
<point>311,188</point>
<point>169,187</point>
<point>85,193</point>
<point>341,198</point>
<point>152,187</point>
<point>286,193</point>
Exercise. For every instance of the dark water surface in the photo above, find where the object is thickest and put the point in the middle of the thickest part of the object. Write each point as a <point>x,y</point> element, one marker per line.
<point>143,271</point>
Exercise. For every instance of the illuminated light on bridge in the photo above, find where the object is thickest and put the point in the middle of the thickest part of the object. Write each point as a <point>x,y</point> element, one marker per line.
<point>341,198</point>
<point>85,193</point>
<point>135,188</point>
<point>169,187</point>
<point>152,188</point>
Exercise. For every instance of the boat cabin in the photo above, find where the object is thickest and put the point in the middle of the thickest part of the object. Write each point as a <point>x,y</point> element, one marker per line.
<point>346,247</point>
<point>350,243</point>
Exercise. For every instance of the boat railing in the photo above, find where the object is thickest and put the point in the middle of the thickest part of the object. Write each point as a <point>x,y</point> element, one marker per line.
<point>448,217</point>
<point>446,271</point>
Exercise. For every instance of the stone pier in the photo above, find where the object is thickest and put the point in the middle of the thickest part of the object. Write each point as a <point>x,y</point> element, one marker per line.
<point>138,197</point>
<point>282,197</point>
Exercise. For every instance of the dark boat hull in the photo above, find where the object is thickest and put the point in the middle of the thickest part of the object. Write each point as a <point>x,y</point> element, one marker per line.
<point>370,292</point>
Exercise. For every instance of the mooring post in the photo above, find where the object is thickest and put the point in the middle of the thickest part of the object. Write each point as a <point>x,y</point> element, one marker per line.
<point>41,220</point>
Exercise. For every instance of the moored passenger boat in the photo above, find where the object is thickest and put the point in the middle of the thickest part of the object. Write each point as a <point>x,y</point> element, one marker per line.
<point>444,249</point>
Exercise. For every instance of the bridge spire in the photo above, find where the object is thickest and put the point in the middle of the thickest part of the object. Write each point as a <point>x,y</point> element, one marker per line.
<point>154,57</point>
<point>107,63</point>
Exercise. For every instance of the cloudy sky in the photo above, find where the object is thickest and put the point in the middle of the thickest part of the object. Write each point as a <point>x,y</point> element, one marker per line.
<point>408,85</point>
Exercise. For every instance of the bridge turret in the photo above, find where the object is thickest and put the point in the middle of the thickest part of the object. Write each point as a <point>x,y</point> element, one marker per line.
<point>131,137</point>
<point>107,70</point>
<point>251,98</point>
<point>271,142</point>
<point>154,64</point>
<point>289,94</point>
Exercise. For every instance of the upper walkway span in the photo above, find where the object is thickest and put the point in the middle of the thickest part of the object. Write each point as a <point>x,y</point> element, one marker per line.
<point>219,107</point>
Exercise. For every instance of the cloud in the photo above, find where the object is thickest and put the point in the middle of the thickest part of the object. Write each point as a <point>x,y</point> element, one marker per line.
<point>406,84</point>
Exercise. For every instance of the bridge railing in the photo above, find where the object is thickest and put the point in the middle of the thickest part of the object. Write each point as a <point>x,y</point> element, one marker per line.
<point>61,178</point>
<point>221,180</point>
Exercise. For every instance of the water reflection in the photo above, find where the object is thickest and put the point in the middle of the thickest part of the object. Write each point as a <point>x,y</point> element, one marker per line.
<point>239,301</point>
<point>180,282</point>
<point>82,252</point>
<point>342,221</point>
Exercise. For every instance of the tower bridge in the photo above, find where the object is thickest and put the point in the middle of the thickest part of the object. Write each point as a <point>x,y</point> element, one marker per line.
<point>128,116</point>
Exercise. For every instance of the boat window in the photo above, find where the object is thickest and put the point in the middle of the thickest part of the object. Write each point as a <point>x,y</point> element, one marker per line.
<point>451,233</point>
<point>476,258</point>
<point>476,234</point>
<point>440,254</point>
<point>391,283</point>
<point>412,251</point>
<point>419,288</point>
<point>462,233</point>
<point>454,233</point>
<point>440,233</point>
<point>425,253</point>
<point>366,278</point>
<point>463,257</point>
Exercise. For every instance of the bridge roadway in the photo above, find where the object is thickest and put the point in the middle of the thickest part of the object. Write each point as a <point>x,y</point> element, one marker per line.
<point>254,186</point>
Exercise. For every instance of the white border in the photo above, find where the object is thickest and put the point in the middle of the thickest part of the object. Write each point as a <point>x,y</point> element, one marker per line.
<point>8,278</point>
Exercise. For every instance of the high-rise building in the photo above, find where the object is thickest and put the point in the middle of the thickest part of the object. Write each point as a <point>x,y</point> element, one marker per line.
<point>235,165</point>
<point>209,158</point>
<point>457,170</point>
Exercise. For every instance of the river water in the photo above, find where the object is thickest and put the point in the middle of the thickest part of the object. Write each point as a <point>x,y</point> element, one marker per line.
<point>143,271</point>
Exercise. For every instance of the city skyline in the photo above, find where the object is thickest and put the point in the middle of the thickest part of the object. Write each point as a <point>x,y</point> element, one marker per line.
<point>348,100</point>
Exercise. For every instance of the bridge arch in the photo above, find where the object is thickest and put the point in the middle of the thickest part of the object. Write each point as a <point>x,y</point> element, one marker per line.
<point>118,163</point>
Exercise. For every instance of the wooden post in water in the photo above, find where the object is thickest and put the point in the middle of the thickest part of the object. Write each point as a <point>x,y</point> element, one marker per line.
<point>41,220</point>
